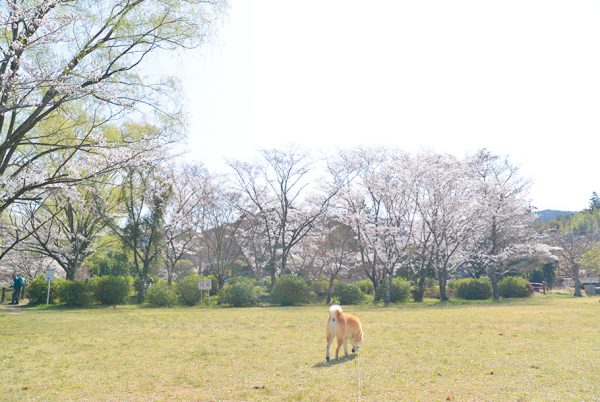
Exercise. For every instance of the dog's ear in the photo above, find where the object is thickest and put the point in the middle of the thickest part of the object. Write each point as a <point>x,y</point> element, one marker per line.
<point>338,313</point>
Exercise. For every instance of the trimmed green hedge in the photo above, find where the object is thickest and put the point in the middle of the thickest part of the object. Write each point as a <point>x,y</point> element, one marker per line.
<point>76,293</point>
<point>399,291</point>
<point>161,294</point>
<point>366,286</point>
<point>473,289</point>
<point>513,286</point>
<point>241,292</point>
<point>348,293</point>
<point>37,290</point>
<point>112,290</point>
<point>290,290</point>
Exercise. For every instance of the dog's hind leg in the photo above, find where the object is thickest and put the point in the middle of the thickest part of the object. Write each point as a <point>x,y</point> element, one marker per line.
<point>339,345</point>
<point>346,347</point>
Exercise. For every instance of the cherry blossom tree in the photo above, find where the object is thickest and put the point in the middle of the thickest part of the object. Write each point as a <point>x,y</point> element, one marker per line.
<point>221,223</point>
<point>328,252</point>
<point>68,67</point>
<point>358,204</point>
<point>505,218</point>
<point>275,197</point>
<point>447,208</point>
<point>66,226</point>
<point>27,264</point>
<point>376,201</point>
<point>185,214</point>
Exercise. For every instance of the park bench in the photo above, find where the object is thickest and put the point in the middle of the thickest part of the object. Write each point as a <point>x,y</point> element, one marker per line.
<point>538,287</point>
<point>591,290</point>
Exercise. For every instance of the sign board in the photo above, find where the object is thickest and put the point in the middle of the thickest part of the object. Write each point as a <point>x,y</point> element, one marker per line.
<point>49,274</point>
<point>205,284</point>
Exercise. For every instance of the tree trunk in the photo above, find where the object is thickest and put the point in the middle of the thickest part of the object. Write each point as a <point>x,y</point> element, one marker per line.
<point>442,280</point>
<point>273,276</point>
<point>141,291</point>
<point>169,277</point>
<point>495,291</point>
<point>420,290</point>
<point>387,296</point>
<point>576,280</point>
<point>330,289</point>
<point>71,268</point>
<point>141,296</point>
<point>70,274</point>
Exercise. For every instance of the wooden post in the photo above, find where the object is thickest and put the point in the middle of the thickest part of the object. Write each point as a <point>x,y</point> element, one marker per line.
<point>545,287</point>
<point>3,295</point>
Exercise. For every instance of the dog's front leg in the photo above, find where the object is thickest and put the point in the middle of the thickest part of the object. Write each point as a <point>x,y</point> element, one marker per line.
<point>329,342</point>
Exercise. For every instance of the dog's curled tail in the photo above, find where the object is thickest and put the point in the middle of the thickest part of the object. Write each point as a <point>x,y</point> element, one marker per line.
<point>334,310</point>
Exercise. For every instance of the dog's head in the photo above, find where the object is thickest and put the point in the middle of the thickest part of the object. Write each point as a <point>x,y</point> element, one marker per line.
<point>357,341</point>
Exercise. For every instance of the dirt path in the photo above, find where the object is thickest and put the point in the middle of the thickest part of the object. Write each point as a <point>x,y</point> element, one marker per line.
<point>10,309</point>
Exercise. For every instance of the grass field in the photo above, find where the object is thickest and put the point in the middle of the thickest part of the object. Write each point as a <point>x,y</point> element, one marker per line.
<point>547,348</point>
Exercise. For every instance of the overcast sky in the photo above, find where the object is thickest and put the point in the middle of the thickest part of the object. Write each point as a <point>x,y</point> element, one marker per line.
<point>521,78</point>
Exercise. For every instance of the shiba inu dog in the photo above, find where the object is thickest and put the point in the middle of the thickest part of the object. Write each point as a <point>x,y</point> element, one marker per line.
<point>344,327</point>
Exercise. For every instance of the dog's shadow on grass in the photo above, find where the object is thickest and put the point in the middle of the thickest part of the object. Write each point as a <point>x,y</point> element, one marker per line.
<point>335,362</point>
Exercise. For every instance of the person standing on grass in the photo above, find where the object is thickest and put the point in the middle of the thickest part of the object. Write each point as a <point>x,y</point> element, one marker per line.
<point>17,286</point>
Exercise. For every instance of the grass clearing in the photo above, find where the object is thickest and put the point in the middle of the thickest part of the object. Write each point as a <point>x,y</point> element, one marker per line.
<point>546,349</point>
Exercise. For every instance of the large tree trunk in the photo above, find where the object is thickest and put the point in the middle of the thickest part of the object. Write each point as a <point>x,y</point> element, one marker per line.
<point>70,274</point>
<point>330,288</point>
<point>420,290</point>
<point>495,290</point>
<point>576,280</point>
<point>170,276</point>
<point>443,280</point>
<point>388,285</point>
<point>220,281</point>
<point>272,273</point>
<point>141,290</point>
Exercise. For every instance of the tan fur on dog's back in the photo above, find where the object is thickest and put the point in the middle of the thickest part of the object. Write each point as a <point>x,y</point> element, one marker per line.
<point>344,327</point>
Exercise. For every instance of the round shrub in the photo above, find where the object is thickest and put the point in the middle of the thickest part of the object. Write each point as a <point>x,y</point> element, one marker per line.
<point>240,293</point>
<point>37,290</point>
<point>290,290</point>
<point>473,289</point>
<point>112,290</point>
<point>433,292</point>
<point>348,293</point>
<point>161,294</point>
<point>399,291</point>
<point>513,286</point>
<point>319,288</point>
<point>76,293</point>
<point>187,289</point>
<point>366,286</point>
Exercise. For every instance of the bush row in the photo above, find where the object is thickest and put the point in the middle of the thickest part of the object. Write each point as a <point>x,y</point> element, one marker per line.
<point>481,289</point>
<point>110,290</point>
<point>240,292</point>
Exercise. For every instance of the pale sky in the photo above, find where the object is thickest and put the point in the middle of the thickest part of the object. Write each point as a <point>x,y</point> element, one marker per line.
<point>521,78</point>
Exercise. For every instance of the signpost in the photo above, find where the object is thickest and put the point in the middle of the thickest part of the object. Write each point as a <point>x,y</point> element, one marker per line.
<point>49,277</point>
<point>204,284</point>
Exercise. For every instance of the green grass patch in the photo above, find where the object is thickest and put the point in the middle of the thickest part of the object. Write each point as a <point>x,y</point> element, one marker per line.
<point>544,348</point>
